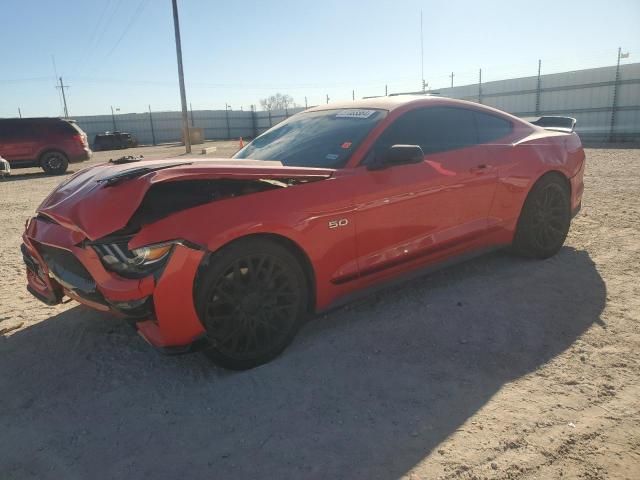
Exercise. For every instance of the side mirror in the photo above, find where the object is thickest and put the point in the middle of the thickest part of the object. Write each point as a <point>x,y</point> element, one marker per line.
<point>398,155</point>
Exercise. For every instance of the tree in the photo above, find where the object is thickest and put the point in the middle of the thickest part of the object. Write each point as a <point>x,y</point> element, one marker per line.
<point>278,101</point>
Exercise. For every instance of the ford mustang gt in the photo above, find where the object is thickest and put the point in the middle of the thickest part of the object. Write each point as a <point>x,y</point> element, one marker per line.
<point>231,255</point>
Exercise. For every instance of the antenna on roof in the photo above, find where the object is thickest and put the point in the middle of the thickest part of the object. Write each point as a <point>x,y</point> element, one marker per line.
<point>422,53</point>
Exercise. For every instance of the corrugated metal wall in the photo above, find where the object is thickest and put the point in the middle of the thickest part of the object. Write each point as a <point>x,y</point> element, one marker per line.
<point>167,126</point>
<point>586,95</point>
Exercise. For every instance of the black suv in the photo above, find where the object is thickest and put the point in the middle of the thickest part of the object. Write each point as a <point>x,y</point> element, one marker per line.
<point>114,141</point>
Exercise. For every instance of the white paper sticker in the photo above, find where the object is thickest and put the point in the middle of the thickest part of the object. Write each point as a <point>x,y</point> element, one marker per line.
<point>354,113</point>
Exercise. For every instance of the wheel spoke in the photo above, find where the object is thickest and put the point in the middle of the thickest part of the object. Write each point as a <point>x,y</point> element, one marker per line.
<point>252,306</point>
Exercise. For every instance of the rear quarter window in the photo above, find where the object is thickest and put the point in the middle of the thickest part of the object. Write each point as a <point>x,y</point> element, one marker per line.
<point>62,128</point>
<point>491,128</point>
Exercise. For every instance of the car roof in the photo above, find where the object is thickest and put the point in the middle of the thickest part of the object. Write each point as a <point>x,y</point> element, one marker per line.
<point>382,103</point>
<point>391,102</point>
<point>396,101</point>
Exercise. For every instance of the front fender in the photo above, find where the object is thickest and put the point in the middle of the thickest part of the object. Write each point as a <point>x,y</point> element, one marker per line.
<point>301,214</point>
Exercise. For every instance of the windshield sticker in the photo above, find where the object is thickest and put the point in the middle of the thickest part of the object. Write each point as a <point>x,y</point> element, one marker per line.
<point>332,156</point>
<point>346,145</point>
<point>353,113</point>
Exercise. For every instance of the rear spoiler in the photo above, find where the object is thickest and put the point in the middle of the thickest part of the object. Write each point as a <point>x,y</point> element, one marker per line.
<point>559,124</point>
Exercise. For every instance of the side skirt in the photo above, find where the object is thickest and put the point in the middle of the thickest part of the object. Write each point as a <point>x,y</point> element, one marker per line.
<point>403,278</point>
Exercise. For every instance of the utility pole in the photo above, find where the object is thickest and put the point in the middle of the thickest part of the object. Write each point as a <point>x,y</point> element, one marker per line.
<point>183,94</point>
<point>113,119</point>
<point>253,121</point>
<point>19,112</point>
<point>480,87</point>
<point>386,91</point>
<point>226,114</point>
<point>327,98</point>
<point>451,79</point>
<point>614,105</point>
<point>422,53</point>
<point>153,133</point>
<point>64,97</point>
<point>353,95</point>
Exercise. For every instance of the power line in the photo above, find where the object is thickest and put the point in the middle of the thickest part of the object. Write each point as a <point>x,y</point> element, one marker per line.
<point>94,32</point>
<point>108,22</point>
<point>104,29</point>
<point>23,80</point>
<point>134,17</point>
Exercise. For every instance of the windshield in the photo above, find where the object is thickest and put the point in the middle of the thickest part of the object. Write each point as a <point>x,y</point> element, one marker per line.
<point>323,139</point>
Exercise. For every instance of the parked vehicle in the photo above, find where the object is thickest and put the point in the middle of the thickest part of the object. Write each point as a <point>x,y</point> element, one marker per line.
<point>50,143</point>
<point>335,201</point>
<point>114,141</point>
<point>5,168</point>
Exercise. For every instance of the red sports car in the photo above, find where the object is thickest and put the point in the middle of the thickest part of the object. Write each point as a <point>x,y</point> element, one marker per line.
<point>231,255</point>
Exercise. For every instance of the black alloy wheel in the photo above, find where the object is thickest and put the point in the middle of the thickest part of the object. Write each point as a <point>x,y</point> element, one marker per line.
<point>545,219</point>
<point>54,163</point>
<point>251,302</point>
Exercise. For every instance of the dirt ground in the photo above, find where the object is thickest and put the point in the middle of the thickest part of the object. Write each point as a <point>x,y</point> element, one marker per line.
<point>496,368</point>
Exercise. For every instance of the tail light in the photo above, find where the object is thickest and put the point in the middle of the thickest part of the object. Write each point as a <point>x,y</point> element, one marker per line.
<point>81,139</point>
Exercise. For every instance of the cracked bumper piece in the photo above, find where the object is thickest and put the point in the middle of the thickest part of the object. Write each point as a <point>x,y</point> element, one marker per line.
<point>160,305</point>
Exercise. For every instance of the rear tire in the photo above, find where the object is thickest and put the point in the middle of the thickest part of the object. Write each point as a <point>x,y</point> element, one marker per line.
<point>54,162</point>
<point>251,300</point>
<point>544,220</point>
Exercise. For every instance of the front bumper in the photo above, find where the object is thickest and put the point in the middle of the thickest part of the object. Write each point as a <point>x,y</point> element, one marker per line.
<point>160,306</point>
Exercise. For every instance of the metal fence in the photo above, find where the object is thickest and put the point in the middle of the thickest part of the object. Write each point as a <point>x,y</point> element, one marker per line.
<point>605,101</point>
<point>165,127</point>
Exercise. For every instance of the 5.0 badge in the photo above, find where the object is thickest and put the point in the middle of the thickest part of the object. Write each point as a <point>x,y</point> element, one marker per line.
<point>343,222</point>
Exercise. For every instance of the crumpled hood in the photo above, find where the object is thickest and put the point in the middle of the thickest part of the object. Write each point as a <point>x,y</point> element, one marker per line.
<point>100,200</point>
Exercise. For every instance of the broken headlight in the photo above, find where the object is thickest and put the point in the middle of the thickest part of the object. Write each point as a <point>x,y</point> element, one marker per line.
<point>136,263</point>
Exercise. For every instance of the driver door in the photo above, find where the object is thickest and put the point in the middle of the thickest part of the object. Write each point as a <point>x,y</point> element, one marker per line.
<point>409,215</point>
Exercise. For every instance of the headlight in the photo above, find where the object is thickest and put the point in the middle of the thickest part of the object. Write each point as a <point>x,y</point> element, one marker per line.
<point>150,254</point>
<point>135,263</point>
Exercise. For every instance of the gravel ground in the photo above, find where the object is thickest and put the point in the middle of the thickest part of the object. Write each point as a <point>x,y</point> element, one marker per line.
<point>496,368</point>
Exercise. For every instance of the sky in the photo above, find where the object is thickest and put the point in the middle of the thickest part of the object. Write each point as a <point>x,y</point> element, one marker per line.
<point>121,53</point>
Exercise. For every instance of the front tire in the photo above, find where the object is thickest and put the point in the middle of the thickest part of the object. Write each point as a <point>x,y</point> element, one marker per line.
<point>544,220</point>
<point>54,163</point>
<point>251,299</point>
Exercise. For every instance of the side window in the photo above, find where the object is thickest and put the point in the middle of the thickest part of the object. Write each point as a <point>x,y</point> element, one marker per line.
<point>491,128</point>
<point>435,129</point>
<point>10,130</point>
<point>60,128</point>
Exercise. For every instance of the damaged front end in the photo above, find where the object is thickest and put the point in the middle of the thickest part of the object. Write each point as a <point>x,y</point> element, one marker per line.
<point>163,199</point>
<point>82,242</point>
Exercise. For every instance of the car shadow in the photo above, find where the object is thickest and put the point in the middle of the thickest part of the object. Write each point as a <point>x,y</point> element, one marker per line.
<point>367,391</point>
